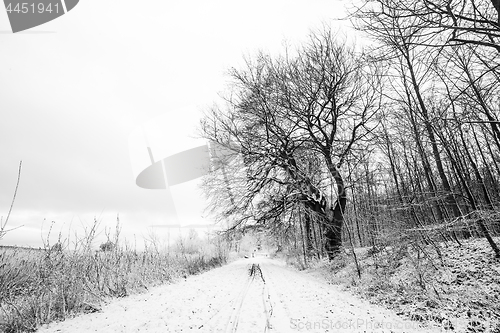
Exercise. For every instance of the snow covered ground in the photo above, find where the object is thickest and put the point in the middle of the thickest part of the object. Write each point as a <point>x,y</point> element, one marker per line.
<point>248,295</point>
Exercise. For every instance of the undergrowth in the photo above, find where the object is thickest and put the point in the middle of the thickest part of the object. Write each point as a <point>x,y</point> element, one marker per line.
<point>449,285</point>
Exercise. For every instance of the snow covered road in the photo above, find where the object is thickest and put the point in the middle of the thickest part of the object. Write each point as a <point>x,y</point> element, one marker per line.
<point>249,295</point>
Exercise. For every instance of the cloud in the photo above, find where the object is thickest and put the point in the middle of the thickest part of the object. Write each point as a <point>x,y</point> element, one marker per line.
<point>70,100</point>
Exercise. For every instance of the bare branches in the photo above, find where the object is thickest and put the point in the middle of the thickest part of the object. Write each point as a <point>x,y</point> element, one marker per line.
<point>296,119</point>
<point>3,225</point>
<point>437,22</point>
<point>440,136</point>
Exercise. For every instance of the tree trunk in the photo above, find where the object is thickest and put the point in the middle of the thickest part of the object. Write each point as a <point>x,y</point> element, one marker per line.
<point>316,201</point>
<point>450,199</point>
<point>492,179</point>
<point>333,232</point>
<point>308,233</point>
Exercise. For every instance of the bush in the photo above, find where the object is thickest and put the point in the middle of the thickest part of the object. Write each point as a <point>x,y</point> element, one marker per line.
<point>107,246</point>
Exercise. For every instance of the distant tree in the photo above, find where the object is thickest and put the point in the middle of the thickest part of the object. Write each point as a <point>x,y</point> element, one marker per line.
<point>57,247</point>
<point>107,246</point>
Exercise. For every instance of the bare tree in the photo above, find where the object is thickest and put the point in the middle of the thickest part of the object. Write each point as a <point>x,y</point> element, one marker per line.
<point>315,104</point>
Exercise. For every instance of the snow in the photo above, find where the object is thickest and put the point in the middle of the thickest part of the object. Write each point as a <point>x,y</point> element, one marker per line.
<point>458,291</point>
<point>229,299</point>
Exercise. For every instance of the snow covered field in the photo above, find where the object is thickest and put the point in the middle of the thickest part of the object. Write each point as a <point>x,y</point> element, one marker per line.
<point>248,295</point>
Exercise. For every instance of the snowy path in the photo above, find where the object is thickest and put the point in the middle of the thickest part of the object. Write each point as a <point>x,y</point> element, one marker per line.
<point>228,299</point>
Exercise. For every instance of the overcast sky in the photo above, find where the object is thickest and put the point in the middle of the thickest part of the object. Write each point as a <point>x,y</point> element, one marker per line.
<point>74,90</point>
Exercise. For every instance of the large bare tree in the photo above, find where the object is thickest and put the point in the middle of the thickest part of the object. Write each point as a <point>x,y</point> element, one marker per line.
<point>314,103</point>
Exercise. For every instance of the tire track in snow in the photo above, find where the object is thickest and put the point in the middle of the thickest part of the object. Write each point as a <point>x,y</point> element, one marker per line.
<point>247,310</point>
<point>236,314</point>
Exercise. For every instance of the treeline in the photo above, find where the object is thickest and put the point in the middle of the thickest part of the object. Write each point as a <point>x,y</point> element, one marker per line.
<point>339,146</point>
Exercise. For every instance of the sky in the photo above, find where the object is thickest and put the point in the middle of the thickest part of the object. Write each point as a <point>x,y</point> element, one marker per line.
<point>76,91</point>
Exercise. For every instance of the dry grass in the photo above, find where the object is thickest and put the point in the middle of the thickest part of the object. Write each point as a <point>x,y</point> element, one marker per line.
<point>41,286</point>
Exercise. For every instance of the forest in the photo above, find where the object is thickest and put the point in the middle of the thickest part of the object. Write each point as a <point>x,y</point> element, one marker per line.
<point>393,140</point>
